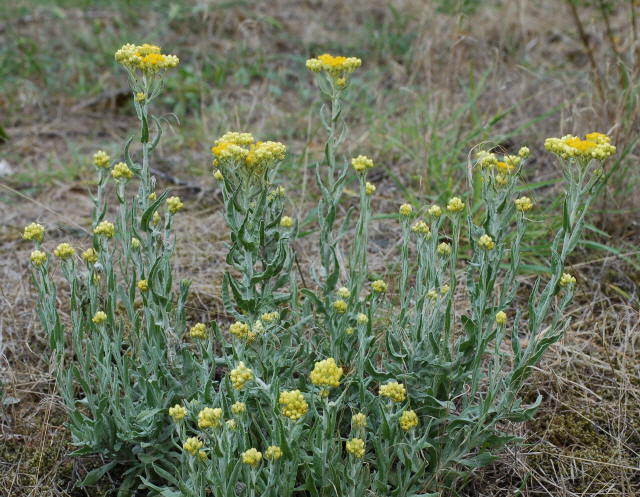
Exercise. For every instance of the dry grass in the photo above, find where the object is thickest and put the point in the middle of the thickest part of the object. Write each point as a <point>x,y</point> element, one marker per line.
<point>419,66</point>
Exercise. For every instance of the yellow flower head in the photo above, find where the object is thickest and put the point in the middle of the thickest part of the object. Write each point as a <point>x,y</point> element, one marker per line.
<point>369,188</point>
<point>293,404</point>
<point>143,285</point>
<point>177,412</point>
<point>198,330</point>
<point>326,373</point>
<point>362,319</point>
<point>340,306</point>
<point>192,445</point>
<point>359,420</point>
<point>524,152</point>
<point>502,179</point>
<point>218,175</point>
<point>567,280</point>
<point>432,294</point>
<point>209,417</point>
<point>394,391</point>
<point>262,155</point>
<point>64,251</point>
<point>252,457</point>
<point>135,243</point>
<point>501,318</point>
<point>421,228</point>
<point>240,375</point>
<point>238,407</point>
<point>444,249</point>
<point>336,66</point>
<point>140,97</point>
<point>379,286</point>
<point>596,146</point>
<point>348,330</point>
<point>523,204</point>
<point>242,331</point>
<point>486,160</point>
<point>355,447</point>
<point>231,424</point>
<point>152,196</point>
<point>361,163</point>
<point>156,218</point>
<point>486,242</point>
<point>146,58</point>
<point>105,228</point>
<point>174,204</point>
<point>286,222</point>
<point>343,292</point>
<point>90,256</point>
<point>33,231</point>
<point>99,317</point>
<point>406,210</point>
<point>435,210</point>
<point>455,205</point>
<point>408,419</point>
<point>269,317</point>
<point>38,257</point>
<point>273,453</point>
<point>101,159</point>
<point>121,171</point>
<point>444,289</point>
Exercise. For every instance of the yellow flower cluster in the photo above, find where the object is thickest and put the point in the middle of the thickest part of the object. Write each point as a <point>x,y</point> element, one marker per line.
<point>90,256</point>
<point>174,204</point>
<point>501,318</point>
<point>242,331</point>
<point>286,222</point>
<point>64,251</point>
<point>408,419</point>
<point>209,417</point>
<point>269,317</point>
<point>359,420</point>
<point>273,453</point>
<point>105,228</point>
<point>240,375</point>
<point>435,210</point>
<point>143,285</point>
<point>101,159</point>
<point>198,330</point>
<point>567,280</point>
<point>252,457</point>
<point>421,228</point>
<point>595,146</point>
<point>336,66</point>
<point>238,407</point>
<point>405,210</point>
<point>38,257</point>
<point>355,447</point>
<point>394,391</point>
<point>444,249</point>
<point>362,319</point>
<point>379,286</point>
<point>455,205</point>
<point>486,242</point>
<point>192,445</point>
<point>237,147</point>
<point>147,58</point>
<point>177,412</point>
<point>369,188</point>
<point>343,292</point>
<point>33,231</point>
<point>362,163</point>
<point>326,373</point>
<point>486,159</point>
<point>99,317</point>
<point>340,306</point>
<point>121,171</point>
<point>293,404</point>
<point>523,204</point>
